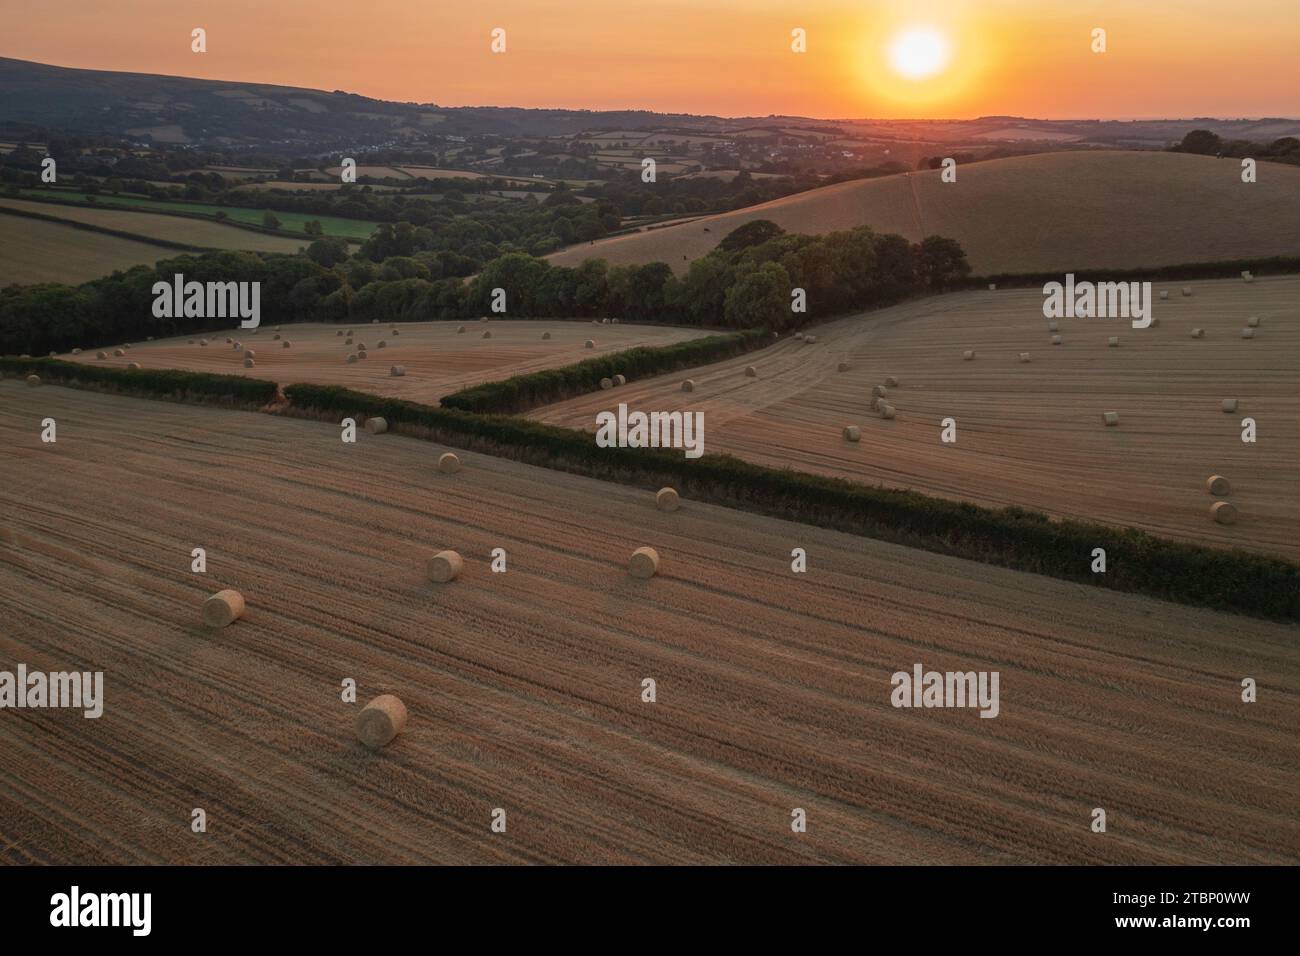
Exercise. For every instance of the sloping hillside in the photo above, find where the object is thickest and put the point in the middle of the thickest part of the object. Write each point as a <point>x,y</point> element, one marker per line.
<point>1048,212</point>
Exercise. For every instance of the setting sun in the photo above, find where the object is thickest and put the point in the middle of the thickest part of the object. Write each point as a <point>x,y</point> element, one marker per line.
<point>918,52</point>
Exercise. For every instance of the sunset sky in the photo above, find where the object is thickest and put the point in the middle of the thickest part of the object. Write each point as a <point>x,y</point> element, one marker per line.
<point>1165,58</point>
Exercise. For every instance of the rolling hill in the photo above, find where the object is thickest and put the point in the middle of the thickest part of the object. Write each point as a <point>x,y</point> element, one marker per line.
<point>1047,212</point>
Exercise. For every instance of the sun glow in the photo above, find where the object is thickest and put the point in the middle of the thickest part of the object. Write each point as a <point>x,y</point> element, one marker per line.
<point>919,52</point>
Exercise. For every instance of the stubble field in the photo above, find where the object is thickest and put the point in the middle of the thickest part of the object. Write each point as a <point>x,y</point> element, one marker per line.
<point>1028,434</point>
<point>524,688</point>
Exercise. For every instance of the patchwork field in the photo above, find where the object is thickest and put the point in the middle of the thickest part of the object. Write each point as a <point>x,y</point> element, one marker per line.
<point>524,688</point>
<point>36,251</point>
<point>438,360</point>
<point>1053,211</point>
<point>196,232</point>
<point>1028,434</point>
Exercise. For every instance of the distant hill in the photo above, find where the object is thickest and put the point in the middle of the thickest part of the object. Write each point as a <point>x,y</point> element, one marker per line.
<point>180,110</point>
<point>1048,212</point>
<point>173,109</point>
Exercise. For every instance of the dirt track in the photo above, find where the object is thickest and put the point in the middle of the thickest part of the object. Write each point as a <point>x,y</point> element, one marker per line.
<point>1029,434</point>
<point>438,359</point>
<point>524,687</point>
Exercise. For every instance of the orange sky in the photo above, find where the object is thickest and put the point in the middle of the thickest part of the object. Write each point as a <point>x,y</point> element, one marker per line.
<point>1165,58</point>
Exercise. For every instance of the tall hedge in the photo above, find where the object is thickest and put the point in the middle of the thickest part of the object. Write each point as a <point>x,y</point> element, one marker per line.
<point>166,383</point>
<point>522,392</point>
<point>1235,581</point>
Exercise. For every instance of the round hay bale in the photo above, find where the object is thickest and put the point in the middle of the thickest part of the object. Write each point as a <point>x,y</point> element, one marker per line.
<point>1253,322</point>
<point>101,355</point>
<point>843,366</point>
<point>361,353</point>
<point>886,410</point>
<point>279,328</point>
<point>460,329</point>
<point>52,354</point>
<point>191,342</point>
<point>604,321</point>
<point>968,355</point>
<point>1187,290</point>
<point>1053,326</point>
<point>993,287</point>
<point>487,334</point>
<point>891,381</point>
<point>127,346</point>
<point>137,364</point>
<point>249,363</point>
<point>380,721</point>
<point>545,336</point>
<point>666,499</point>
<point>751,372</point>
<point>1057,340</point>
<point>798,336</point>
<point>1223,512</point>
<point>339,332</point>
<point>620,379</point>
<point>852,433</point>
<point>1113,342</point>
<point>613,321</point>
<point>276,337</point>
<point>688,385</point>
<point>1229,405</point>
<point>229,340</point>
<point>78,351</point>
<point>376,425</point>
<point>118,353</point>
<point>395,333</point>
<point>33,380</point>
<point>875,403</point>
<point>1155,321</point>
<point>879,391</point>
<point>448,463</point>
<point>249,353</point>
<point>606,383</point>
<point>445,566</point>
<point>286,344</point>
<point>352,359</point>
<point>237,347</point>
<point>1024,356</point>
<point>595,321</point>
<point>810,339</point>
<point>589,344</point>
<point>644,563</point>
<point>1218,486</point>
<point>1164,295</point>
<point>349,333</point>
<point>223,608</point>
<point>361,346</point>
<point>397,371</point>
<point>1247,333</point>
<point>382,344</point>
<point>374,321</point>
<point>203,341</point>
<point>1198,333</point>
<point>1110,418</point>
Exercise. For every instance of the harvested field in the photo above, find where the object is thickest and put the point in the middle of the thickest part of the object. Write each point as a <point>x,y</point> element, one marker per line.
<point>524,689</point>
<point>1029,434</point>
<point>1120,210</point>
<point>437,360</point>
<point>196,232</point>
<point>35,251</point>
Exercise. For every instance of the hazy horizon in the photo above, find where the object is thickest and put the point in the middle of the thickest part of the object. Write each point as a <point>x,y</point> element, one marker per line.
<point>1169,59</point>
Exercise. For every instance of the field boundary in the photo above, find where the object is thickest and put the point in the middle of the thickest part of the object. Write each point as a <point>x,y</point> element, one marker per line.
<point>105,230</point>
<point>519,393</point>
<point>1224,269</point>
<point>1235,581</point>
